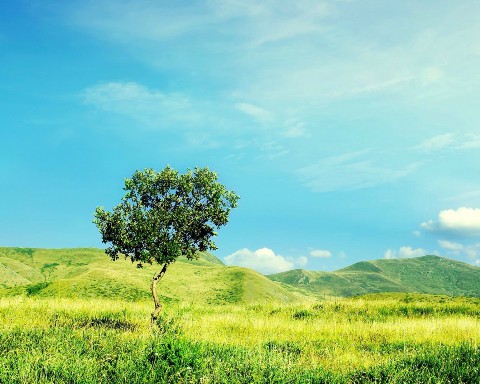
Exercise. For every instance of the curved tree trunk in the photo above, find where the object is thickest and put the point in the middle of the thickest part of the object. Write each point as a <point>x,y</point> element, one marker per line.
<point>158,306</point>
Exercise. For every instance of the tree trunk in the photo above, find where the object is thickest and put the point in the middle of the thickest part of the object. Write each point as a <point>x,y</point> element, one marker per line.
<point>158,306</point>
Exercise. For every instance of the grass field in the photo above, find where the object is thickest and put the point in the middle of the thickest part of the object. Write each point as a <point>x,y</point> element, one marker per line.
<point>390,338</point>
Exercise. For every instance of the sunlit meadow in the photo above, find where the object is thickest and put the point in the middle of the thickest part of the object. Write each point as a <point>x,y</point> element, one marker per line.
<point>378,338</point>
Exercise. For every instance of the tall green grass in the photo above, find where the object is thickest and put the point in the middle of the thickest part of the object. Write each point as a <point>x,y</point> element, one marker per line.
<point>387,339</point>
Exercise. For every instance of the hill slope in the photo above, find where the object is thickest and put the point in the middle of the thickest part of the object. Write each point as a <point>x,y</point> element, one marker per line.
<point>427,274</point>
<point>90,273</point>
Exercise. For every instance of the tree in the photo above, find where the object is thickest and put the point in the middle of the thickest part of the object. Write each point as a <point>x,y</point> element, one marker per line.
<point>47,270</point>
<point>164,215</point>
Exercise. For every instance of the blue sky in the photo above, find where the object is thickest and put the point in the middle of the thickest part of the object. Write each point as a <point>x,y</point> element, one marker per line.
<point>350,129</point>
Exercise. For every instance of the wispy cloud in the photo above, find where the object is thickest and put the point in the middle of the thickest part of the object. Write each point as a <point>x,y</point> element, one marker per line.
<point>464,196</point>
<point>153,107</point>
<point>371,87</point>
<point>350,171</point>
<point>450,140</point>
<point>314,47</point>
<point>285,65</point>
<point>197,121</point>
<point>271,149</point>
<point>257,113</point>
<point>294,128</point>
<point>437,142</point>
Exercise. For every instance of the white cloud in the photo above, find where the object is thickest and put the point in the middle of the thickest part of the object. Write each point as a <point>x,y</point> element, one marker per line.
<point>270,21</point>
<point>436,143</point>
<point>374,87</point>
<point>294,128</point>
<point>472,251</point>
<point>272,149</point>
<point>323,253</point>
<point>287,40</point>
<point>350,172</point>
<point>138,102</point>
<point>470,141</point>
<point>254,111</point>
<point>460,222</point>
<point>263,260</point>
<point>294,54</point>
<point>450,140</point>
<point>404,252</point>
<point>451,246</point>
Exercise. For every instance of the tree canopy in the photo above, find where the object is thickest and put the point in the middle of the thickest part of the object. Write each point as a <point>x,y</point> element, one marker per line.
<point>164,215</point>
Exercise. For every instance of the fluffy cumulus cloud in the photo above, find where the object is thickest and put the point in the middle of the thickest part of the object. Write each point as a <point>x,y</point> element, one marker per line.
<point>322,253</point>
<point>464,222</point>
<point>404,252</point>
<point>263,260</point>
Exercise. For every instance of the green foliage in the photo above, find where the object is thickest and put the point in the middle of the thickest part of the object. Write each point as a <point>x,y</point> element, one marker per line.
<point>164,215</point>
<point>34,289</point>
<point>47,269</point>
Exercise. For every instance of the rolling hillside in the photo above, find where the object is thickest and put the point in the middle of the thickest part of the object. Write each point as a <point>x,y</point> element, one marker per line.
<point>89,272</point>
<point>427,274</point>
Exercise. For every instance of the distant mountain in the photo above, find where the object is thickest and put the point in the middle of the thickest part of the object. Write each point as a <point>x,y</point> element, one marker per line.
<point>86,272</point>
<point>427,274</point>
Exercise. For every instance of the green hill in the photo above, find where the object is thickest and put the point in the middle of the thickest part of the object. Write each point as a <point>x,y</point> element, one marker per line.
<point>87,272</point>
<point>427,274</point>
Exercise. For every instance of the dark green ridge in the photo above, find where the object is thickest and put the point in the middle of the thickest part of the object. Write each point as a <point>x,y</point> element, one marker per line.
<point>427,274</point>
